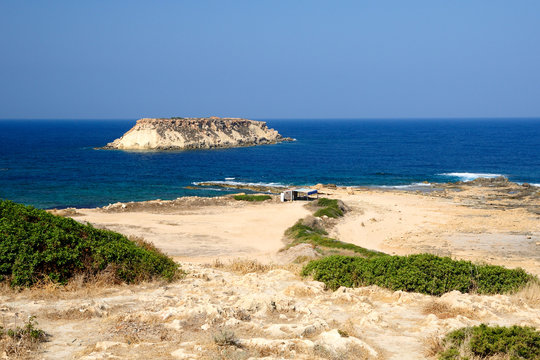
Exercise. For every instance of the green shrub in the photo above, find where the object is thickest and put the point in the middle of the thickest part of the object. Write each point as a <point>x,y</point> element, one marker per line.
<point>324,202</point>
<point>423,273</point>
<point>329,211</point>
<point>35,245</point>
<point>301,233</point>
<point>516,342</point>
<point>29,332</point>
<point>252,197</point>
<point>330,208</point>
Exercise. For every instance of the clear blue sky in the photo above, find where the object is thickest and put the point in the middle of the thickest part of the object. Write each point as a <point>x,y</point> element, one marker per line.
<point>269,59</point>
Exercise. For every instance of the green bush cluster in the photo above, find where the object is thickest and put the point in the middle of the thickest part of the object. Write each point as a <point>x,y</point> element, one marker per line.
<point>36,245</point>
<point>516,342</point>
<point>252,197</point>
<point>330,208</point>
<point>305,234</point>
<point>423,273</point>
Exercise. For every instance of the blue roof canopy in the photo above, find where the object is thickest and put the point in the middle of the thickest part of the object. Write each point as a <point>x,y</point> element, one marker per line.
<point>305,190</point>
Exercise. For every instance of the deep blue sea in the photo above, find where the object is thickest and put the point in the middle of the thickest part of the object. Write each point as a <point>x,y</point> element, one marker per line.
<point>53,163</point>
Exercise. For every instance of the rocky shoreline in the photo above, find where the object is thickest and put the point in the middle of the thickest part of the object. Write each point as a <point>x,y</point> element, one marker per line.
<point>195,133</point>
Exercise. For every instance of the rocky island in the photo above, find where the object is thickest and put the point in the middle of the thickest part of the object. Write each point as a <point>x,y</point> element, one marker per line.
<point>195,133</point>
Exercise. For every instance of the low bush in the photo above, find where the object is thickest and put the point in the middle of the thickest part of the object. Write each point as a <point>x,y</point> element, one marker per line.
<point>324,202</point>
<point>225,338</point>
<point>301,233</point>
<point>20,342</point>
<point>28,331</point>
<point>252,197</point>
<point>423,273</point>
<point>330,208</point>
<point>516,342</point>
<point>36,246</point>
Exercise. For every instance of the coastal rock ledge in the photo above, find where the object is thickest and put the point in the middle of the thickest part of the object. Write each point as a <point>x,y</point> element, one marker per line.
<point>195,133</point>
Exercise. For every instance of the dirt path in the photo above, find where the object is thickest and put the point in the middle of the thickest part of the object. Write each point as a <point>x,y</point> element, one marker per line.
<point>201,234</point>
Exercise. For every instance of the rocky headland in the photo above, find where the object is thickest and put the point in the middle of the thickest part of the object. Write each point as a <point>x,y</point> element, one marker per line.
<point>195,133</point>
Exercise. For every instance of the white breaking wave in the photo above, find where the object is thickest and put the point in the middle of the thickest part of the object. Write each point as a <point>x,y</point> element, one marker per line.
<point>409,186</point>
<point>230,178</point>
<point>239,183</point>
<point>464,176</point>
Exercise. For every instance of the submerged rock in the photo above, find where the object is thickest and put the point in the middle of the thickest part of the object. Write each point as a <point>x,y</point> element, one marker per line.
<point>195,133</point>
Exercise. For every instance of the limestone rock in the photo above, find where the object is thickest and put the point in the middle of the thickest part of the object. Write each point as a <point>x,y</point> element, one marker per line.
<point>195,133</point>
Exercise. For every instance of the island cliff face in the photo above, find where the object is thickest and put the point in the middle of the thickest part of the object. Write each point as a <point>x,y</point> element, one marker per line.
<point>195,133</point>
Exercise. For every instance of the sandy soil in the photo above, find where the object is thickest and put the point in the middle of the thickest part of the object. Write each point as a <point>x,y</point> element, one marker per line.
<point>455,224</point>
<point>198,231</point>
<point>404,223</point>
<point>276,314</point>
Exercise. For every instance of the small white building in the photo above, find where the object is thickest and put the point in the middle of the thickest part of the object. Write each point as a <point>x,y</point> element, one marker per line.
<point>298,194</point>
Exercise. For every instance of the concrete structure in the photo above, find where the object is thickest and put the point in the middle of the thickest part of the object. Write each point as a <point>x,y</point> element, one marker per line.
<point>298,194</point>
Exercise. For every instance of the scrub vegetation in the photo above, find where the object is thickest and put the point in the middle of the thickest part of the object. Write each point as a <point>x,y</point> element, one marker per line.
<point>310,231</point>
<point>423,273</point>
<point>301,233</point>
<point>329,207</point>
<point>486,342</point>
<point>37,246</point>
<point>252,197</point>
<point>20,342</point>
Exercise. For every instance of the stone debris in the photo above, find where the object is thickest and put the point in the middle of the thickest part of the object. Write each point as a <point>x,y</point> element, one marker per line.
<point>272,315</point>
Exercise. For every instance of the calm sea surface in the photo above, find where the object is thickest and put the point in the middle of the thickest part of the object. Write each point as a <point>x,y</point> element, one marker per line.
<point>52,163</point>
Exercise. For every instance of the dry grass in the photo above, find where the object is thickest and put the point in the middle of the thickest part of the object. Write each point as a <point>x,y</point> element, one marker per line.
<point>303,259</point>
<point>82,312</point>
<point>376,293</point>
<point>20,341</point>
<point>433,345</point>
<point>17,349</point>
<point>247,266</point>
<point>80,286</point>
<point>301,291</point>
<point>529,295</point>
<point>445,311</point>
<point>70,314</point>
<point>353,352</point>
<point>132,330</point>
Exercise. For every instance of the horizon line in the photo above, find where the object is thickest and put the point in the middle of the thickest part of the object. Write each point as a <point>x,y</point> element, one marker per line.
<point>302,118</point>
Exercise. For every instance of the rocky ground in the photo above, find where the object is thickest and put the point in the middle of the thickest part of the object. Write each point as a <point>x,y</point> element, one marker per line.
<point>218,313</point>
<point>252,310</point>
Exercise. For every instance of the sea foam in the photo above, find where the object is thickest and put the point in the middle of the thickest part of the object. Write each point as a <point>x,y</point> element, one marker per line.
<point>239,183</point>
<point>412,186</point>
<point>465,176</point>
